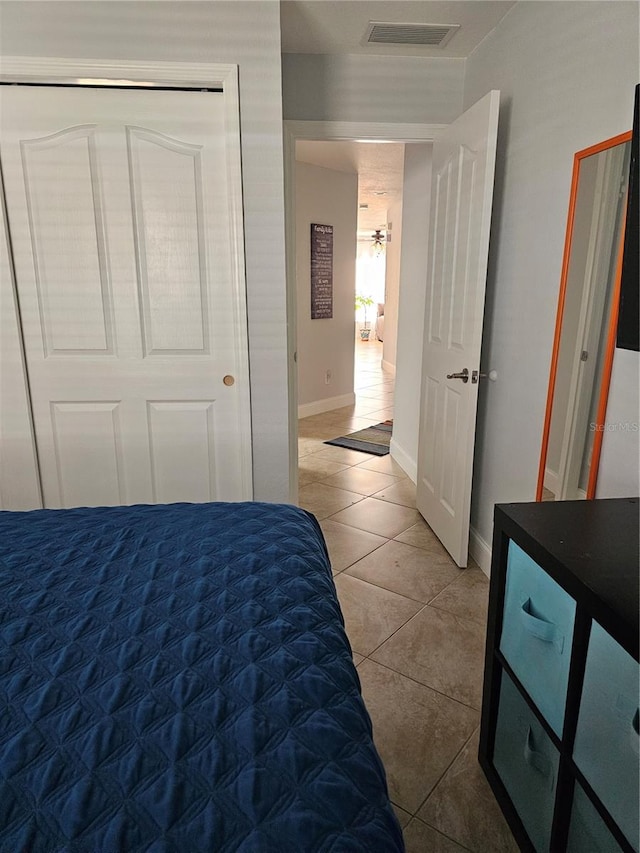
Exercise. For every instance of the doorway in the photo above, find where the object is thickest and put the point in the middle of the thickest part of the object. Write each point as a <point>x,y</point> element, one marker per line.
<point>460,205</point>
<point>355,189</point>
<point>326,131</point>
<point>345,370</point>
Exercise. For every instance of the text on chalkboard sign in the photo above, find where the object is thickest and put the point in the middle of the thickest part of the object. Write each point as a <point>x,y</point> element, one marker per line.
<point>321,272</point>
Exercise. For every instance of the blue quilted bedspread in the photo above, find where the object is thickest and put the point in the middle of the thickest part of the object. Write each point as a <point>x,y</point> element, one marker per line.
<point>177,678</point>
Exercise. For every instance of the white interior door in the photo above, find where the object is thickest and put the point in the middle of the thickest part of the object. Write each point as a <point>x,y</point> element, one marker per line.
<point>461,197</point>
<point>132,308</point>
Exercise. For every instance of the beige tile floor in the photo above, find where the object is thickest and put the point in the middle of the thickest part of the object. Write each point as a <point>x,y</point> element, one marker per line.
<point>416,624</point>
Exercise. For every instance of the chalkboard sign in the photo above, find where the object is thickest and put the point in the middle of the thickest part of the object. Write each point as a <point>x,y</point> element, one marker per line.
<point>321,272</point>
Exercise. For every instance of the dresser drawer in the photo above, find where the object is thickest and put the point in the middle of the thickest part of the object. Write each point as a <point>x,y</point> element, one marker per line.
<point>537,632</point>
<point>527,762</point>
<point>587,831</point>
<point>606,745</point>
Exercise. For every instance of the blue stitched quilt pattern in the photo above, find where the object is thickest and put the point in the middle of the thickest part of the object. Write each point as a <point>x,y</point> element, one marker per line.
<point>178,678</point>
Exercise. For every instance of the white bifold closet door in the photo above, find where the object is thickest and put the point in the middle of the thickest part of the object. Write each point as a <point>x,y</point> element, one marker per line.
<point>131,295</point>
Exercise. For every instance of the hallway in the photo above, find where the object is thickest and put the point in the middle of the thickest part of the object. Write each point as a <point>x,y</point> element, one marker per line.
<point>415,621</point>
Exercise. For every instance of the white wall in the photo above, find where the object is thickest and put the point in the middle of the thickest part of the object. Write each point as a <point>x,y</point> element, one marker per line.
<point>247,34</point>
<point>318,87</point>
<point>619,473</point>
<point>326,197</point>
<point>370,272</point>
<point>416,193</point>
<point>567,72</point>
<point>393,249</point>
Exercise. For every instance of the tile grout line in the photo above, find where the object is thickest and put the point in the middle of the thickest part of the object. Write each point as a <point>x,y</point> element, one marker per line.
<point>444,834</point>
<point>391,539</point>
<point>368,554</point>
<point>372,495</point>
<point>368,362</point>
<point>428,603</point>
<point>393,591</point>
<point>421,683</point>
<point>450,765</point>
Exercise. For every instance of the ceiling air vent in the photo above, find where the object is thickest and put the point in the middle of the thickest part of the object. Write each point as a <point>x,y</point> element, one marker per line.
<point>428,35</point>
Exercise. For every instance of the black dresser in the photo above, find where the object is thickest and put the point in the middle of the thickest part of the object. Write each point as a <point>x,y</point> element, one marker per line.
<point>559,734</point>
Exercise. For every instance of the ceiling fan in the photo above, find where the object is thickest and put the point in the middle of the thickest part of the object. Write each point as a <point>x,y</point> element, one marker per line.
<point>378,242</point>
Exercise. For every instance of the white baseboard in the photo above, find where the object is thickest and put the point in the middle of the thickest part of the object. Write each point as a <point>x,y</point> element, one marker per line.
<point>320,406</point>
<point>480,550</point>
<point>551,480</point>
<point>408,465</point>
<point>388,367</point>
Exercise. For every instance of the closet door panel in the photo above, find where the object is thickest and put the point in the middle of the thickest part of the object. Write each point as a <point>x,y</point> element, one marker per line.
<point>62,187</point>
<point>88,453</point>
<point>119,203</point>
<point>19,484</point>
<point>166,185</point>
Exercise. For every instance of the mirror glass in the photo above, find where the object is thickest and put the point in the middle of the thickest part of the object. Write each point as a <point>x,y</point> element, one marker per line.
<point>587,311</point>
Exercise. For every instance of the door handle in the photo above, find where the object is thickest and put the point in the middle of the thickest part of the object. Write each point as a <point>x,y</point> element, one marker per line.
<point>464,375</point>
<point>475,375</point>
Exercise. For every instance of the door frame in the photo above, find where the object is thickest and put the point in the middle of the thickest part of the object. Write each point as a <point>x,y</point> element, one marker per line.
<point>323,131</point>
<point>128,74</point>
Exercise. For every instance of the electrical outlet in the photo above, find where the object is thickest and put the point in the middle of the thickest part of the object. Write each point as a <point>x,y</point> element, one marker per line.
<point>327,377</point>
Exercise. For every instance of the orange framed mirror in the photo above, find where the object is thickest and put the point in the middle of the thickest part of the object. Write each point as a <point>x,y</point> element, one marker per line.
<point>586,322</point>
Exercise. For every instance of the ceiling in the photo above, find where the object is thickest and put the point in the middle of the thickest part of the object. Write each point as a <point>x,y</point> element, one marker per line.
<point>379,166</point>
<point>338,26</point>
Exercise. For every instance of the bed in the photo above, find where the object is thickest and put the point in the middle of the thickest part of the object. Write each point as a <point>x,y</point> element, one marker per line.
<point>177,678</point>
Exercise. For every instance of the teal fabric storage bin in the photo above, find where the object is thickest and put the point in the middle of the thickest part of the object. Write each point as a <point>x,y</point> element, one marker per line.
<point>560,692</point>
<point>588,833</point>
<point>537,633</point>
<point>527,762</point>
<point>607,744</point>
